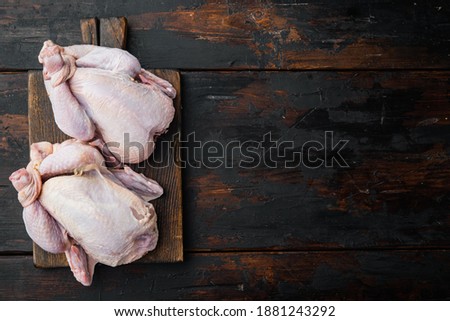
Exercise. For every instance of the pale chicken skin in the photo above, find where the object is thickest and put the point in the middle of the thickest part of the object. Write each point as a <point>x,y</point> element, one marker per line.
<point>103,94</point>
<point>74,205</point>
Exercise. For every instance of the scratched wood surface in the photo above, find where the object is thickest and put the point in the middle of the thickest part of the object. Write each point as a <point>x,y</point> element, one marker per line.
<point>395,192</point>
<point>324,275</point>
<point>376,230</point>
<point>219,34</point>
<point>169,207</point>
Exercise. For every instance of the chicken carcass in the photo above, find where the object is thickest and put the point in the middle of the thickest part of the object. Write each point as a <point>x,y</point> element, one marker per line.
<point>74,205</point>
<point>103,94</point>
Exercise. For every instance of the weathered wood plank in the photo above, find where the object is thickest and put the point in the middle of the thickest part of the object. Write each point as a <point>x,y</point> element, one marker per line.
<point>241,35</point>
<point>113,32</point>
<point>349,275</point>
<point>395,191</point>
<point>89,31</point>
<point>13,154</point>
<point>169,206</point>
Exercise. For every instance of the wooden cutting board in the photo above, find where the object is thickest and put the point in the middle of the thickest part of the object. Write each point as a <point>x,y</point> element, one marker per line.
<point>111,32</point>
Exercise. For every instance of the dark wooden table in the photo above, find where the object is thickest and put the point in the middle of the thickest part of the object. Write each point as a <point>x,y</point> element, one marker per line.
<point>373,73</point>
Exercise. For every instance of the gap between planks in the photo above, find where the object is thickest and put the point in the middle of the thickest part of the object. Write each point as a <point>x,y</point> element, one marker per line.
<point>281,251</point>
<point>255,70</point>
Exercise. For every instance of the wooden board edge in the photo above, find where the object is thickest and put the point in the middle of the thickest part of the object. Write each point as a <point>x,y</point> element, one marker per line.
<point>57,260</point>
<point>89,31</point>
<point>113,32</point>
<point>177,253</point>
<point>177,157</point>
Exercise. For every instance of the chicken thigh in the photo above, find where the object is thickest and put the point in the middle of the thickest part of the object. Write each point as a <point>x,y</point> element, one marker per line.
<point>103,93</point>
<point>74,205</point>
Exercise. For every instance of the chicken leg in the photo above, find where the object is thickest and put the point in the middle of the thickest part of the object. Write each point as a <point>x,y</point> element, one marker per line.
<point>46,232</point>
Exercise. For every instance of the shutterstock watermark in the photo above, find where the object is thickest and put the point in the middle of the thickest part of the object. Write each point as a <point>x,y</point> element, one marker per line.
<point>266,152</point>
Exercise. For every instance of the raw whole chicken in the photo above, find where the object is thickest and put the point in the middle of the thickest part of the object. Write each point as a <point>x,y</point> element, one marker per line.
<point>74,205</point>
<point>103,94</point>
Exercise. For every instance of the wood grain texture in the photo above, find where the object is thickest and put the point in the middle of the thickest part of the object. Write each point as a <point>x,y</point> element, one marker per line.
<point>243,34</point>
<point>89,31</point>
<point>113,32</point>
<point>169,206</point>
<point>13,155</point>
<point>381,226</point>
<point>395,192</point>
<point>353,275</point>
